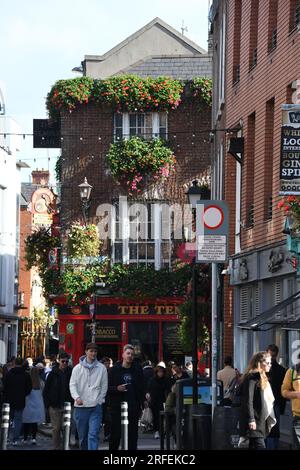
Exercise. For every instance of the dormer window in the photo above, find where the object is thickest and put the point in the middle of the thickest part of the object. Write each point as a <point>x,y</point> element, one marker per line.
<point>145,125</point>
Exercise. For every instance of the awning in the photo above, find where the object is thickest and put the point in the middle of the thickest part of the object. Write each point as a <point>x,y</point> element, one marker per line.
<point>295,325</point>
<point>269,316</point>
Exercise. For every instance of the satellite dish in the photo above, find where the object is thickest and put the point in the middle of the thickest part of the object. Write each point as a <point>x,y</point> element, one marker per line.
<point>2,105</point>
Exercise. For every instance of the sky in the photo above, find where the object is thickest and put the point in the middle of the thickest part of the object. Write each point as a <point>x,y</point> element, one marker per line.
<point>41,41</point>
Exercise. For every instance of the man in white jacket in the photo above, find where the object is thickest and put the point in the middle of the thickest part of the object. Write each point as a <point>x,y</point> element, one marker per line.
<point>88,387</point>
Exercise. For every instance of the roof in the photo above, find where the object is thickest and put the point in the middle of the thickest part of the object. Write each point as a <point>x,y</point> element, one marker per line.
<point>156,22</point>
<point>27,189</point>
<point>179,67</point>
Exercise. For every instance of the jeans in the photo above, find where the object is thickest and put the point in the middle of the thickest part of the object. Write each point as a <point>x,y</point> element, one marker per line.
<point>17,421</point>
<point>88,423</point>
<point>56,417</point>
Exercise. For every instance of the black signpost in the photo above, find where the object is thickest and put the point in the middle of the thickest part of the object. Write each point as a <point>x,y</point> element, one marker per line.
<point>46,134</point>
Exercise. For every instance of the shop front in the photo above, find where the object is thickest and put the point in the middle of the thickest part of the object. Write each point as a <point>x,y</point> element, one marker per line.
<point>151,326</point>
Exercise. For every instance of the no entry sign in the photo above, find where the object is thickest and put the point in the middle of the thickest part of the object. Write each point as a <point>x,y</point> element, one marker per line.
<point>212,231</point>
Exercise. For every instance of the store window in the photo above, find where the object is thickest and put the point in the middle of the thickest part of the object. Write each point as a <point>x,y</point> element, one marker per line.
<point>144,337</point>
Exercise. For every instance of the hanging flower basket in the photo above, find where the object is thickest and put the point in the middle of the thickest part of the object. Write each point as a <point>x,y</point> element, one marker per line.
<point>291,207</point>
<point>136,163</point>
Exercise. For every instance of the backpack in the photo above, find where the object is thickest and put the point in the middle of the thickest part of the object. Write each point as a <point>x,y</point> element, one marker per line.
<point>234,392</point>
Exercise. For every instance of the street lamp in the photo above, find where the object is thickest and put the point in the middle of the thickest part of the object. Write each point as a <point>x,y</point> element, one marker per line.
<point>85,194</point>
<point>194,194</point>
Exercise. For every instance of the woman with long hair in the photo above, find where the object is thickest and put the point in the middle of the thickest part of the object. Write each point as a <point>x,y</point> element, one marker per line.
<point>34,411</point>
<point>256,412</point>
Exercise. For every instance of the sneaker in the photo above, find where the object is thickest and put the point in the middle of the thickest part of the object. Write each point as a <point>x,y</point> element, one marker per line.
<point>33,442</point>
<point>15,443</point>
<point>156,435</point>
<point>24,441</point>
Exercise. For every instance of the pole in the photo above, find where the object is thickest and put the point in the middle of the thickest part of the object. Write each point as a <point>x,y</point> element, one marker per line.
<point>67,425</point>
<point>214,339</point>
<point>124,424</point>
<point>94,321</point>
<point>195,330</point>
<point>4,425</point>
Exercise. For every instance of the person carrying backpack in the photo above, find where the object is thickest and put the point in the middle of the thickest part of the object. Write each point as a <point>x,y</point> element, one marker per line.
<point>290,389</point>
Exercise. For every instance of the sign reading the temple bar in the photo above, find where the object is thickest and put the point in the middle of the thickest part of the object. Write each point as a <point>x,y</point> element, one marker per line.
<point>290,150</point>
<point>107,331</point>
<point>46,134</point>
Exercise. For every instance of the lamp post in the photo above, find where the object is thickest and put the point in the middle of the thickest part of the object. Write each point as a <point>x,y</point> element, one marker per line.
<point>93,307</point>
<point>85,194</point>
<point>194,194</point>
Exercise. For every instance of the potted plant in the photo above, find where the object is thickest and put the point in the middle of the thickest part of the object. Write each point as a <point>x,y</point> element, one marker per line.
<point>135,163</point>
<point>291,207</point>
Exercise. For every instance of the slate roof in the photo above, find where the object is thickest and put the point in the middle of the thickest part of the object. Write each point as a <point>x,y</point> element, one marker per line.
<point>180,67</point>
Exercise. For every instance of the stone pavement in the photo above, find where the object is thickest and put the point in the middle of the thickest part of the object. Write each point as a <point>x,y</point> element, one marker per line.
<point>146,441</point>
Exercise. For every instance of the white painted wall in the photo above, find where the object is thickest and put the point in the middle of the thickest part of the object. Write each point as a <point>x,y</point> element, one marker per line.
<point>9,190</point>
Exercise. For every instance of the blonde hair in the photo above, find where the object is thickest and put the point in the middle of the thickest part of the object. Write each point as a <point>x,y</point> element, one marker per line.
<point>254,366</point>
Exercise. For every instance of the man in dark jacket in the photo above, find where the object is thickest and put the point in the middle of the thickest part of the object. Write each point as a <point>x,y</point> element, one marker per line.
<point>55,393</point>
<point>16,386</point>
<point>276,377</point>
<point>125,383</point>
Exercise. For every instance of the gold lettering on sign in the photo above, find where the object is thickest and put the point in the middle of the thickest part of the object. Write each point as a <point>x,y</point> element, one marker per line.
<point>123,309</point>
<point>145,309</point>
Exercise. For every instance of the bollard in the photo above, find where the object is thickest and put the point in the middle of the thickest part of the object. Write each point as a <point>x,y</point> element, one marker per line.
<point>4,425</point>
<point>124,424</point>
<point>66,425</point>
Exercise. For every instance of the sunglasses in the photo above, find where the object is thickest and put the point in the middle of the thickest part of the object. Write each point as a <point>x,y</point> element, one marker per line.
<point>64,360</point>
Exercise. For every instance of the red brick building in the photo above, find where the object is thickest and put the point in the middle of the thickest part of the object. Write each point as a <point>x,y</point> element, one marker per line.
<point>257,43</point>
<point>87,133</point>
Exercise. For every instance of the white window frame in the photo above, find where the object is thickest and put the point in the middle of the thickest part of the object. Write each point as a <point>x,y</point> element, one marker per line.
<point>156,237</point>
<point>126,125</point>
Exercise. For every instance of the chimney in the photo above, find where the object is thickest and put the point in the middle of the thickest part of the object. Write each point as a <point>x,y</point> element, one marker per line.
<point>40,177</point>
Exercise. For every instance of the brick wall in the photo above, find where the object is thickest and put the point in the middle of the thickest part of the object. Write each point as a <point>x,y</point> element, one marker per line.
<point>24,275</point>
<point>274,72</point>
<point>87,133</point>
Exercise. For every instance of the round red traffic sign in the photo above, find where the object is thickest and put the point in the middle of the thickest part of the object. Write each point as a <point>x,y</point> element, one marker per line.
<point>213,217</point>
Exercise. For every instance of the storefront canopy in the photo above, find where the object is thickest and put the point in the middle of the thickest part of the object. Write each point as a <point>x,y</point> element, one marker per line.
<point>275,316</point>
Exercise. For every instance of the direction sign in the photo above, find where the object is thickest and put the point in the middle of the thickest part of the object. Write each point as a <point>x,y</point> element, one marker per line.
<point>212,231</point>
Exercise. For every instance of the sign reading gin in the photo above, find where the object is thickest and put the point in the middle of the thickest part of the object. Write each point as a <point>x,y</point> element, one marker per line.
<point>290,150</point>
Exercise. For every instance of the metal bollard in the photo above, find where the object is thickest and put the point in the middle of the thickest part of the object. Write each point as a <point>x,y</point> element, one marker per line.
<point>4,425</point>
<point>66,425</point>
<point>124,424</point>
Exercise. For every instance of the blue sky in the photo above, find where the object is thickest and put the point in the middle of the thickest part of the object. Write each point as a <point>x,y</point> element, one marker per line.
<point>41,41</point>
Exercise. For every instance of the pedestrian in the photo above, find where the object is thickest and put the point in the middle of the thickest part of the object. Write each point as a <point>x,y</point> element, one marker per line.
<point>34,411</point>
<point>290,390</point>
<point>227,374</point>
<point>125,383</point>
<point>256,412</point>
<point>16,386</point>
<point>177,373</point>
<point>157,392</point>
<point>276,377</point>
<point>148,372</point>
<point>108,362</point>
<point>88,386</point>
<point>56,392</point>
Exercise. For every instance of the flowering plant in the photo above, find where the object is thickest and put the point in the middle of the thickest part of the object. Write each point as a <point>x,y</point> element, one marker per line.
<point>83,240</point>
<point>136,162</point>
<point>123,93</point>
<point>291,206</point>
<point>202,89</point>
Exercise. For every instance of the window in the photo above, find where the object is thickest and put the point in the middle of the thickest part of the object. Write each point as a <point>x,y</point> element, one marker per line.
<point>248,183</point>
<point>294,14</point>
<point>237,41</point>
<point>146,125</point>
<point>140,237</point>
<point>253,34</point>
<point>268,159</point>
<point>250,297</point>
<point>272,26</point>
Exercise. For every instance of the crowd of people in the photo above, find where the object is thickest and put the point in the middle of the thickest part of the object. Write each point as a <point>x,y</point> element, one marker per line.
<point>37,390</point>
<point>261,393</point>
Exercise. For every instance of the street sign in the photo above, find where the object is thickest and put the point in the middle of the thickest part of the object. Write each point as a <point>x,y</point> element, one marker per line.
<point>212,231</point>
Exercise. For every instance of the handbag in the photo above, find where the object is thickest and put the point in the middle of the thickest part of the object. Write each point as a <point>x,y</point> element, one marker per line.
<point>147,416</point>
